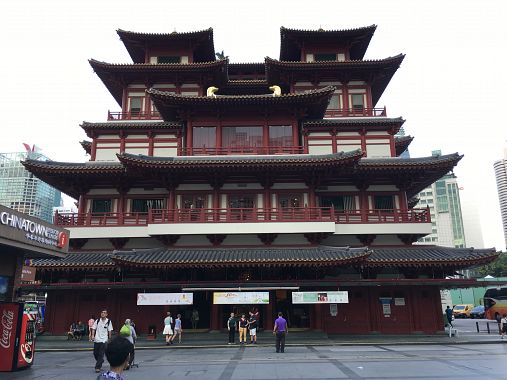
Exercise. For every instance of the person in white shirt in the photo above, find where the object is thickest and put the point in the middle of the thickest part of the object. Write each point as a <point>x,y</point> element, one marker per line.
<point>101,334</point>
<point>168,329</point>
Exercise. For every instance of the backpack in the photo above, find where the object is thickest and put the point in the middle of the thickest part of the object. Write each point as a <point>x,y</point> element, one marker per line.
<point>125,331</point>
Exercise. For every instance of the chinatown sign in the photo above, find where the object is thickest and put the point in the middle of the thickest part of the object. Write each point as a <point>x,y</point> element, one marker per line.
<point>30,230</point>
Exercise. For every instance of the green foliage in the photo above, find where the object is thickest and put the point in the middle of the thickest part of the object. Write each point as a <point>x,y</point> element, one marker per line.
<point>497,268</point>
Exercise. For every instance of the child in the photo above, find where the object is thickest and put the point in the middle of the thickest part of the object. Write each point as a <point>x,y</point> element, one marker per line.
<point>117,354</point>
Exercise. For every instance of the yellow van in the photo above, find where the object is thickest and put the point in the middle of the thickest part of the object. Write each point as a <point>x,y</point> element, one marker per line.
<point>462,311</point>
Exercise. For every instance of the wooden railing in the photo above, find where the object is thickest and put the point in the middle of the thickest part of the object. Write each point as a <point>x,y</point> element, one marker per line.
<point>383,216</point>
<point>344,112</point>
<point>241,215</point>
<point>241,150</point>
<point>132,115</point>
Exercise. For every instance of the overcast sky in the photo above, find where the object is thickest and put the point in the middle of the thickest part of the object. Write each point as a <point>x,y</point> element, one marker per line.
<point>450,87</point>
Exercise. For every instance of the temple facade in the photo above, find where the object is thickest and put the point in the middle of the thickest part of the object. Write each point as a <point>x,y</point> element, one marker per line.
<point>277,177</point>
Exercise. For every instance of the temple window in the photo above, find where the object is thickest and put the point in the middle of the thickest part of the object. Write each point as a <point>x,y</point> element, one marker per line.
<point>357,102</point>
<point>194,201</point>
<point>143,205</point>
<point>241,201</point>
<point>383,202</point>
<point>290,200</point>
<point>280,135</point>
<point>335,102</point>
<point>101,205</point>
<point>136,104</point>
<point>204,137</point>
<point>169,59</point>
<point>234,137</point>
<point>324,57</point>
<point>338,202</point>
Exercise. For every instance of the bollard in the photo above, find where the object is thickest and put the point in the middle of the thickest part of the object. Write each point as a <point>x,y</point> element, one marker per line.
<point>477,325</point>
<point>487,324</point>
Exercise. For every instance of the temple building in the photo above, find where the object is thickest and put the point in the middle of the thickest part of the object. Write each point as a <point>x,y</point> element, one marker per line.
<point>280,178</point>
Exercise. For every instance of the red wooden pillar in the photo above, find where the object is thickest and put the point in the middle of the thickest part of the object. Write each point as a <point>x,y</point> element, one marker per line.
<point>333,141</point>
<point>150,143</point>
<point>215,318</point>
<point>391,143</point>
<point>268,319</point>
<point>305,141</point>
<point>311,195</point>
<point>295,134</point>
<point>93,151</point>
<point>81,204</point>
<point>265,136</point>
<point>319,316</point>
<point>122,142</point>
<point>121,207</point>
<point>189,141</point>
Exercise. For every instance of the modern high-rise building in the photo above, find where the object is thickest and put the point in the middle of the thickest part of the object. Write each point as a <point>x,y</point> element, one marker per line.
<point>22,191</point>
<point>442,199</point>
<point>501,184</point>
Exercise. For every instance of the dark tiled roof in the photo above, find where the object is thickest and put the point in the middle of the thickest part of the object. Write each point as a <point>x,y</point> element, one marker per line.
<point>376,72</point>
<point>87,146</point>
<point>116,76</point>
<point>129,125</point>
<point>73,167</point>
<point>403,256</point>
<point>289,161</point>
<point>417,163</point>
<point>315,100</point>
<point>357,38</point>
<point>355,121</point>
<point>401,143</point>
<point>78,260</point>
<point>430,256</point>
<point>136,43</point>
<point>243,256</point>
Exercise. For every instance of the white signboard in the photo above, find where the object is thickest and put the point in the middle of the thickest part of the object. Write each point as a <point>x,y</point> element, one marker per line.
<point>150,299</point>
<point>399,302</point>
<point>320,297</point>
<point>238,298</point>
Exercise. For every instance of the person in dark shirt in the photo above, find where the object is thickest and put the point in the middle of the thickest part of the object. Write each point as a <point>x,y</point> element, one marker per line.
<point>252,326</point>
<point>448,314</point>
<point>231,326</point>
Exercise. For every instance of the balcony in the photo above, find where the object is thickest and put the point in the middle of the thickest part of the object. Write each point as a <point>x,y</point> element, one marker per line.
<point>133,115</point>
<point>242,215</point>
<point>246,150</point>
<point>356,112</point>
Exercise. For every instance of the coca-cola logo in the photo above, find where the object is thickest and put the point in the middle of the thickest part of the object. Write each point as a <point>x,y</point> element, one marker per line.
<point>26,352</point>
<point>7,323</point>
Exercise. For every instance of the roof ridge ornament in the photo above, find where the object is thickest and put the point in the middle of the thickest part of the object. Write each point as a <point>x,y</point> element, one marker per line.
<point>210,92</point>
<point>277,91</point>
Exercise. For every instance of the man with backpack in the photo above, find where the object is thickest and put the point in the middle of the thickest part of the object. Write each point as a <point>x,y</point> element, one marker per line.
<point>101,334</point>
<point>128,332</point>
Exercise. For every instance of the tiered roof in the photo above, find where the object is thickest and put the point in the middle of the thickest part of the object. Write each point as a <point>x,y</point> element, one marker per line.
<point>173,258</point>
<point>201,41</point>
<point>358,39</point>
<point>413,174</point>
<point>129,126</point>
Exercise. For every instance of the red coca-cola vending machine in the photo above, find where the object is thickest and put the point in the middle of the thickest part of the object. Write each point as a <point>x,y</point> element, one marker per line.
<point>17,335</point>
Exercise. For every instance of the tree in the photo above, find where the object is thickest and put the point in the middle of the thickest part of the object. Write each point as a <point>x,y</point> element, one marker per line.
<point>497,268</point>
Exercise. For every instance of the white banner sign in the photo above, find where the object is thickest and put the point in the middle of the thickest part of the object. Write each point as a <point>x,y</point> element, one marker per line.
<point>320,297</point>
<point>239,298</point>
<point>147,299</point>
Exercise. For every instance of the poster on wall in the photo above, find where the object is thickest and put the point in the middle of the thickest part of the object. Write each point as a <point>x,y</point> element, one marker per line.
<point>333,309</point>
<point>320,297</point>
<point>238,298</point>
<point>153,299</point>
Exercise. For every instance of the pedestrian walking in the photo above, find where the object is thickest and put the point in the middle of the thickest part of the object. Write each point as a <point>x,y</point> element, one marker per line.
<point>252,326</point>
<point>503,325</point>
<point>129,332</point>
<point>231,326</point>
<point>117,354</point>
<point>280,330</point>
<point>168,330</point>
<point>177,329</point>
<point>91,321</point>
<point>243,327</point>
<point>101,334</point>
<point>448,314</point>
<point>195,318</point>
